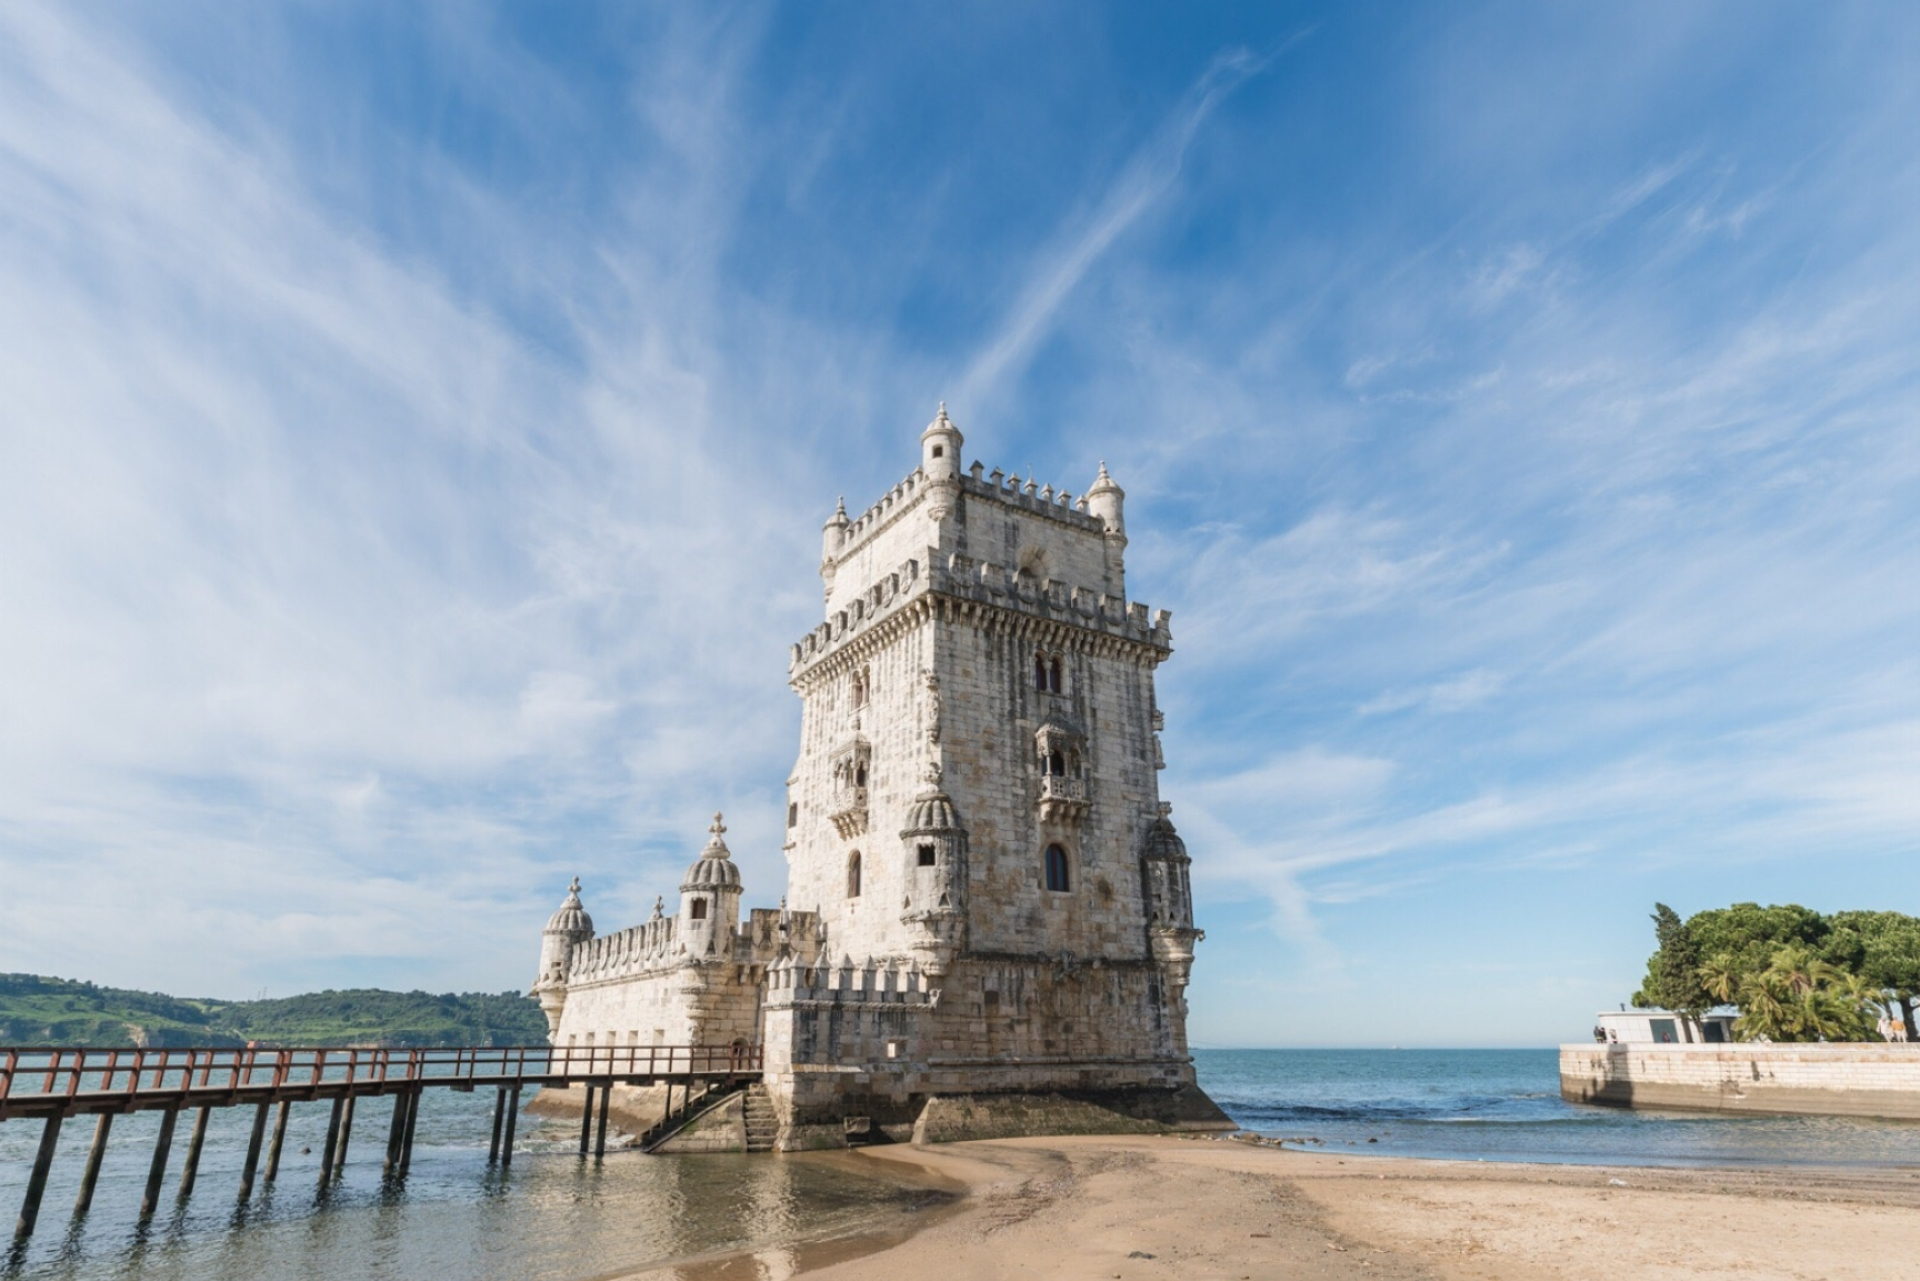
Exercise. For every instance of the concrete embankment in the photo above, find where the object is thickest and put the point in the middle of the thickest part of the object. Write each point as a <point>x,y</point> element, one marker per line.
<point>1864,1080</point>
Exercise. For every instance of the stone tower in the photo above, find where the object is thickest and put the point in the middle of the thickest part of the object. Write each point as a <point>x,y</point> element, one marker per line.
<point>974,818</point>
<point>988,925</point>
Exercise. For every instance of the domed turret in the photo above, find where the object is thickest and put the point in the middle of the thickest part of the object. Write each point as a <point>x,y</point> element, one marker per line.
<point>1107,501</point>
<point>935,846</point>
<point>572,918</point>
<point>1169,903</point>
<point>940,447</point>
<point>566,929</point>
<point>710,896</point>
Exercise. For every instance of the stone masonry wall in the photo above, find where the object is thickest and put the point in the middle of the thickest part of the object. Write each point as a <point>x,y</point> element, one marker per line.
<point>1826,1080</point>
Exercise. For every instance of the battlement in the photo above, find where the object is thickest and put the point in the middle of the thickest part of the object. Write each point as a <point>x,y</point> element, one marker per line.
<point>894,503</point>
<point>892,981</point>
<point>654,947</point>
<point>639,949</point>
<point>995,485</point>
<point>963,578</point>
<point>1042,500</point>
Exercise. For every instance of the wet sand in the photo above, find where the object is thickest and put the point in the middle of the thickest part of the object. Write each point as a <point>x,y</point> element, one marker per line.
<point>1151,1208</point>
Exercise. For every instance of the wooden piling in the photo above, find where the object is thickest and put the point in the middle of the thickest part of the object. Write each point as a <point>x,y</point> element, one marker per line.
<point>499,1116</point>
<point>396,1130</point>
<point>191,1170</point>
<point>333,1140</point>
<point>600,1138</point>
<point>586,1123</point>
<point>513,1115</point>
<point>406,1141</point>
<point>279,1141</point>
<point>95,1154</point>
<point>346,1131</point>
<point>157,1172</point>
<point>253,1150</point>
<point>37,1181</point>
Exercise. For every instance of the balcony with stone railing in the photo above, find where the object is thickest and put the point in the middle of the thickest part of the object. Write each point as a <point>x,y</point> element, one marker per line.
<point>1062,797</point>
<point>850,819</point>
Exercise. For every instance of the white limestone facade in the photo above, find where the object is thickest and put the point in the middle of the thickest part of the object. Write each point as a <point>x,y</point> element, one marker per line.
<point>985,894</point>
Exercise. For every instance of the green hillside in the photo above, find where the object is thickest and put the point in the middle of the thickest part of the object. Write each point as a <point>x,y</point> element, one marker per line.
<point>35,1010</point>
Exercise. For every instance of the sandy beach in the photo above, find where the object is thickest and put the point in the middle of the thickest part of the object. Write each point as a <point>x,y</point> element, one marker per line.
<point>1094,1209</point>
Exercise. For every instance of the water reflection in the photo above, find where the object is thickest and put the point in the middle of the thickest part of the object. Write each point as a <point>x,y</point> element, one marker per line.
<point>551,1215</point>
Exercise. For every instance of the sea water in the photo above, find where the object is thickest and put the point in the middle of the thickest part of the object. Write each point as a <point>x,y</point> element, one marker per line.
<point>555,1216</point>
<point>1505,1105</point>
<point>550,1216</point>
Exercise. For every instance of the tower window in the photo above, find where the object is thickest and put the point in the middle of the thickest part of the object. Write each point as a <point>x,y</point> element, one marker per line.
<point>860,776</point>
<point>697,910</point>
<point>1056,869</point>
<point>939,451</point>
<point>853,874</point>
<point>928,856</point>
<point>1040,672</point>
<point>793,814</point>
<point>1053,675</point>
<point>1056,764</point>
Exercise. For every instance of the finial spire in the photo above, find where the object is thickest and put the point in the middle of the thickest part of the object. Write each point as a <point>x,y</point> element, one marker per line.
<point>717,828</point>
<point>575,887</point>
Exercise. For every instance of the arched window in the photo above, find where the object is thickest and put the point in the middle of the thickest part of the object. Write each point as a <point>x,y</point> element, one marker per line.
<point>697,909</point>
<point>860,776</point>
<point>1056,869</point>
<point>853,874</point>
<point>1056,764</point>
<point>1040,672</point>
<point>1053,675</point>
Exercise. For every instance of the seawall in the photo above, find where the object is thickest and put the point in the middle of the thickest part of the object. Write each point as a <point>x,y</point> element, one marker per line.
<point>1868,1080</point>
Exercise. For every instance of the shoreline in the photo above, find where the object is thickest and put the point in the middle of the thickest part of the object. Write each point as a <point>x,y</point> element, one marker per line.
<point>1189,1206</point>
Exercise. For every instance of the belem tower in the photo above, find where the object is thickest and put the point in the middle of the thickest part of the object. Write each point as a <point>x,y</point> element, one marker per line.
<point>987,905</point>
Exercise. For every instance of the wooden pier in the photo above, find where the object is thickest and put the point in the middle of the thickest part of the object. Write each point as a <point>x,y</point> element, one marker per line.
<point>55,1085</point>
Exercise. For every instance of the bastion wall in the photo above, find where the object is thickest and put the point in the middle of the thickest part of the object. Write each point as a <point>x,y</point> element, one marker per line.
<point>1864,1080</point>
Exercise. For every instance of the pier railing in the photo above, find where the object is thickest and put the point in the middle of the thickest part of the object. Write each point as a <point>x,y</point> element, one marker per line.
<point>38,1081</point>
<point>53,1084</point>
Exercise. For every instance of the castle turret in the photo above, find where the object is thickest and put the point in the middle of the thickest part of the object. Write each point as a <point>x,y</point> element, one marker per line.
<point>1106,502</point>
<point>940,447</point>
<point>710,898</point>
<point>567,929</point>
<point>1168,894</point>
<point>935,845</point>
<point>832,534</point>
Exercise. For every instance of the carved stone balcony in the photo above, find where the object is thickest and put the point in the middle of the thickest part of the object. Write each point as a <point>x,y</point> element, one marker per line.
<point>1063,798</point>
<point>851,818</point>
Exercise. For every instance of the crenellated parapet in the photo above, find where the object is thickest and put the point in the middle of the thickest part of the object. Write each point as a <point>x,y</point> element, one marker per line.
<point>888,981</point>
<point>997,596</point>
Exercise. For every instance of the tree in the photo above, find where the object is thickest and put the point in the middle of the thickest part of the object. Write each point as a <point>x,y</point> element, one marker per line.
<point>1751,934</point>
<point>1800,996</point>
<point>1889,957</point>
<point>1673,979</point>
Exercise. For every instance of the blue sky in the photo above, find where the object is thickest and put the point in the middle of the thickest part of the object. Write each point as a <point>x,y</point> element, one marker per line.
<point>417,420</point>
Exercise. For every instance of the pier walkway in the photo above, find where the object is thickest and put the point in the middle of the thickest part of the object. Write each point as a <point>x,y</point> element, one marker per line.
<point>53,1085</point>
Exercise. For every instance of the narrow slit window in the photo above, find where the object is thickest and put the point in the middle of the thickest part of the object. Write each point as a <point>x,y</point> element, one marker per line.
<point>793,814</point>
<point>1053,676</point>
<point>1040,672</point>
<point>853,875</point>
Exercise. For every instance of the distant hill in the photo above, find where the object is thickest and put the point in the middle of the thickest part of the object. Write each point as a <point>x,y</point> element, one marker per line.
<point>35,1010</point>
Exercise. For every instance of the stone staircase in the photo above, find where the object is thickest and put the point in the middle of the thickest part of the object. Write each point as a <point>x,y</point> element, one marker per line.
<point>763,1124</point>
